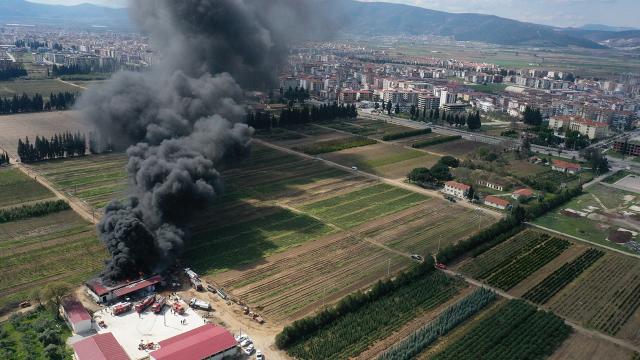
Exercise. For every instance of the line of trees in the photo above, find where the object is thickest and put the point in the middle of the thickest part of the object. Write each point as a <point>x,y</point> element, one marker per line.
<point>36,103</point>
<point>532,116</point>
<point>12,72</point>
<point>301,115</point>
<point>30,211</point>
<point>81,69</point>
<point>59,146</point>
<point>4,159</point>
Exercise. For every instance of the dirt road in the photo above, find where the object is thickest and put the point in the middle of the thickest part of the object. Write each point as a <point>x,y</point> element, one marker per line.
<point>394,182</point>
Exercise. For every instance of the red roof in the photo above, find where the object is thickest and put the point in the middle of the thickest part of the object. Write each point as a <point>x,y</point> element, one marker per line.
<point>75,311</point>
<point>565,165</point>
<point>100,347</point>
<point>96,286</point>
<point>133,287</point>
<point>457,185</point>
<point>496,200</point>
<point>523,192</point>
<point>197,344</point>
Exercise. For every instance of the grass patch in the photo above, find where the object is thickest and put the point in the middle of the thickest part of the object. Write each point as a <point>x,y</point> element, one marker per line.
<point>18,188</point>
<point>436,141</point>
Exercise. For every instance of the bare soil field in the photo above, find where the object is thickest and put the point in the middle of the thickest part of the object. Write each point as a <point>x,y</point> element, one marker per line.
<point>458,148</point>
<point>584,347</point>
<point>14,127</point>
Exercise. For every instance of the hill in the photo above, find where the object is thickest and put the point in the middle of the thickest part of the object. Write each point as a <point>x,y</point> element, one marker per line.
<point>356,17</point>
<point>84,15</point>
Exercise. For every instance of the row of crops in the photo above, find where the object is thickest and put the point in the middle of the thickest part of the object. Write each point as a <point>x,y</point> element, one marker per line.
<point>516,331</point>
<point>501,255</point>
<point>560,278</point>
<point>353,331</point>
<point>509,276</point>
<point>415,343</point>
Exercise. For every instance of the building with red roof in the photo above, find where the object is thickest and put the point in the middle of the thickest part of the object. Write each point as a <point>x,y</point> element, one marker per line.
<point>591,129</point>
<point>206,342</point>
<point>99,347</point>
<point>456,189</point>
<point>76,315</point>
<point>522,194</point>
<point>102,293</point>
<point>496,202</point>
<point>565,166</point>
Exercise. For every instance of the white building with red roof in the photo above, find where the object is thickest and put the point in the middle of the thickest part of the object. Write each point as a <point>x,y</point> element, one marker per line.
<point>99,347</point>
<point>103,293</point>
<point>589,128</point>
<point>522,194</point>
<point>456,189</point>
<point>496,202</point>
<point>205,342</point>
<point>76,315</point>
<point>565,166</point>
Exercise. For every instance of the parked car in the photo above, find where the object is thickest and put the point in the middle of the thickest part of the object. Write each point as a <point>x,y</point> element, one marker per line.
<point>259,355</point>
<point>246,342</point>
<point>248,351</point>
<point>416,257</point>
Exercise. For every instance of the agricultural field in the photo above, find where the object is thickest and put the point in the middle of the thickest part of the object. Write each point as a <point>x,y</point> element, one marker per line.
<point>606,297</point>
<point>386,160</point>
<point>327,146</point>
<point>18,188</point>
<point>370,128</point>
<point>584,347</point>
<point>462,149</point>
<point>14,127</point>
<point>507,264</point>
<point>515,330</point>
<point>604,215</point>
<point>354,331</point>
<point>37,250</point>
<point>44,87</point>
<point>95,179</point>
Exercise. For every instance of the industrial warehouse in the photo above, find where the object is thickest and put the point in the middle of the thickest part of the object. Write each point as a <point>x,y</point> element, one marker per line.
<point>144,319</point>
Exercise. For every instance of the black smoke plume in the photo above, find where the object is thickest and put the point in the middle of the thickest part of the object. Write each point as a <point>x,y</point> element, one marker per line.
<point>182,121</point>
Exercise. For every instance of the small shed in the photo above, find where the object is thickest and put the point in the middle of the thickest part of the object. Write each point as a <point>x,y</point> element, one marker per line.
<point>76,315</point>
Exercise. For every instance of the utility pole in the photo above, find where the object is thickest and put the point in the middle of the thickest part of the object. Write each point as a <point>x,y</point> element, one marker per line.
<point>389,267</point>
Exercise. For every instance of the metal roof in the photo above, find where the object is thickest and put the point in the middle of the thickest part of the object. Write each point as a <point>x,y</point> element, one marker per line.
<point>75,311</point>
<point>197,344</point>
<point>100,347</point>
<point>139,285</point>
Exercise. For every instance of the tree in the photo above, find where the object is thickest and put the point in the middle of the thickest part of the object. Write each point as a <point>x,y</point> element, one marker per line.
<point>54,292</point>
<point>532,116</point>
<point>471,193</point>
<point>474,122</point>
<point>599,163</point>
<point>376,105</point>
<point>397,109</point>
<point>389,107</point>
<point>421,175</point>
<point>36,296</point>
<point>441,172</point>
<point>450,161</point>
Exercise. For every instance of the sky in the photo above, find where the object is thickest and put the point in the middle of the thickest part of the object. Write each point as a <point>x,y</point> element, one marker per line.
<point>550,12</point>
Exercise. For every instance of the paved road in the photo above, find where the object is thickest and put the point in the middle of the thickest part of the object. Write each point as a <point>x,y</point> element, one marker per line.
<point>444,130</point>
<point>394,182</point>
<point>575,326</point>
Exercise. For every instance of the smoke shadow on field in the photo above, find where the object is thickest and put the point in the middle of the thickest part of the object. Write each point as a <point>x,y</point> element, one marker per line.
<point>244,234</point>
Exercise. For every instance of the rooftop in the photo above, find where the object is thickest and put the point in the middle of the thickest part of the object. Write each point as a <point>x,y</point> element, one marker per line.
<point>196,344</point>
<point>75,310</point>
<point>457,185</point>
<point>496,200</point>
<point>565,164</point>
<point>100,347</point>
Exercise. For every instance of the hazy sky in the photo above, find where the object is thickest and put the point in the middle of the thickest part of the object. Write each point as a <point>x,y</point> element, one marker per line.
<point>551,12</point>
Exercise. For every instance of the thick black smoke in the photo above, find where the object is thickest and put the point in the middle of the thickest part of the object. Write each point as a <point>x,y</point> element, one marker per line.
<point>182,121</point>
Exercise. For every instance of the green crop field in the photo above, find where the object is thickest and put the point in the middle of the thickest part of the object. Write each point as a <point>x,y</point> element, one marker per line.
<point>371,128</point>
<point>515,331</point>
<point>95,179</point>
<point>34,251</point>
<point>18,188</point>
<point>354,331</point>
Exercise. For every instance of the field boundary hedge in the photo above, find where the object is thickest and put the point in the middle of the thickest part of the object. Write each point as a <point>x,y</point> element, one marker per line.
<point>302,328</point>
<point>406,134</point>
<point>30,211</point>
<point>436,141</point>
<point>451,317</point>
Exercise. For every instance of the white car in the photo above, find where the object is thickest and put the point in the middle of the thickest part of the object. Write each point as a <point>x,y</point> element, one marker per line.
<point>246,342</point>
<point>259,355</point>
<point>241,337</point>
<point>248,351</point>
